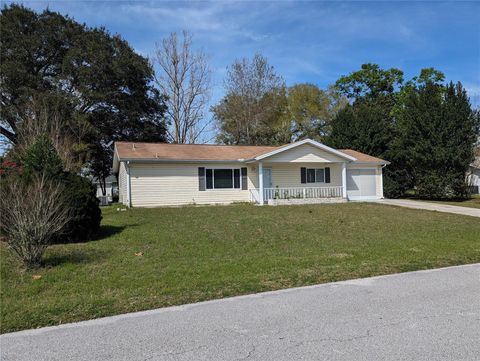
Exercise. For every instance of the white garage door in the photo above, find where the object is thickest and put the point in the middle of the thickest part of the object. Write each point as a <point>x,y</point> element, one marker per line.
<point>361,184</point>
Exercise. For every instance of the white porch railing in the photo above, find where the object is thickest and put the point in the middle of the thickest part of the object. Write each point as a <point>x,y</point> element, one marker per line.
<point>296,193</point>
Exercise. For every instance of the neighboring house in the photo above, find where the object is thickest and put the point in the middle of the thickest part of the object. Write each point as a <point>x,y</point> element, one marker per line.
<point>111,187</point>
<point>473,174</point>
<point>160,174</point>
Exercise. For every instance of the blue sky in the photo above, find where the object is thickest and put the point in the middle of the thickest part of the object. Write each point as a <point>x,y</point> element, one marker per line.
<point>313,42</point>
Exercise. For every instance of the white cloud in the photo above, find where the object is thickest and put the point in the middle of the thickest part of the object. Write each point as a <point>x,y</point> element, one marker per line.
<point>473,91</point>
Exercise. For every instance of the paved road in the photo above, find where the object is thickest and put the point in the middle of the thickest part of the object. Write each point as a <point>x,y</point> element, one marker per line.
<point>428,315</point>
<point>466,211</point>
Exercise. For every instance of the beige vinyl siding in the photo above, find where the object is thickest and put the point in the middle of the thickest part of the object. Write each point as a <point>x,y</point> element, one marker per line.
<point>288,174</point>
<point>122,183</point>
<point>177,184</point>
<point>378,175</point>
<point>304,154</point>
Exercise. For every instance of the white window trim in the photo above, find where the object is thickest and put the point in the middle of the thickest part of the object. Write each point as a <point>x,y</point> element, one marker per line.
<point>223,189</point>
<point>315,169</point>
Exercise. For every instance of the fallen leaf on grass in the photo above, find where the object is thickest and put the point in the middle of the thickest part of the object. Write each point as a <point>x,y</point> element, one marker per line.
<point>36,277</point>
<point>139,254</point>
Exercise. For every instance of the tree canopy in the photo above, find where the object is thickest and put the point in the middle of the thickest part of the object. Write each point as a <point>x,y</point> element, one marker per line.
<point>437,130</point>
<point>425,128</point>
<point>370,81</point>
<point>251,112</point>
<point>259,108</point>
<point>310,111</point>
<point>366,124</point>
<point>105,86</point>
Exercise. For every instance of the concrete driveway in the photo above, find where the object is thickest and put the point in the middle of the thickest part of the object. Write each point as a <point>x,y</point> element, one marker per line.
<point>427,315</point>
<point>466,211</point>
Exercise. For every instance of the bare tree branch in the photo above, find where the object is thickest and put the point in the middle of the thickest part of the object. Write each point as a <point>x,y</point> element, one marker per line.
<point>252,106</point>
<point>41,118</point>
<point>184,77</point>
<point>31,215</point>
<point>12,137</point>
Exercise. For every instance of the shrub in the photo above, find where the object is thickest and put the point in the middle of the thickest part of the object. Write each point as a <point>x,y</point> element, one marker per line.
<point>83,202</point>
<point>41,157</point>
<point>32,214</point>
<point>115,196</point>
<point>395,182</point>
<point>79,195</point>
<point>442,185</point>
<point>79,192</point>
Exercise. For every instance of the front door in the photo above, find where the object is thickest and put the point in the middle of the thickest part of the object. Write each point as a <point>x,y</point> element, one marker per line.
<point>267,184</point>
<point>267,177</point>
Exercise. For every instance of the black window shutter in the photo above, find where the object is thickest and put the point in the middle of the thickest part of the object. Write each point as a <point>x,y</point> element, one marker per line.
<point>201,178</point>
<point>303,175</point>
<point>236,178</point>
<point>209,178</point>
<point>327,175</point>
<point>244,179</point>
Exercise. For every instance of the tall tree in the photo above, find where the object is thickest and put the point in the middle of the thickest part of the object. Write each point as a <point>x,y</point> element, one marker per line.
<point>367,124</point>
<point>311,110</point>
<point>437,133</point>
<point>252,110</point>
<point>370,81</point>
<point>104,84</point>
<point>184,77</point>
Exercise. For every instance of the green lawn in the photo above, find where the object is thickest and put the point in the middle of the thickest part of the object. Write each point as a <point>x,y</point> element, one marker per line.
<point>198,253</point>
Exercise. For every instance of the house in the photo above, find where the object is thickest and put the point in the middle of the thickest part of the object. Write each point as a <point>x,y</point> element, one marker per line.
<point>160,174</point>
<point>473,173</point>
<point>110,187</point>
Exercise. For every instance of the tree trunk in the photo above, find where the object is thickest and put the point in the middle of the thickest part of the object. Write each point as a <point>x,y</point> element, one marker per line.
<point>103,185</point>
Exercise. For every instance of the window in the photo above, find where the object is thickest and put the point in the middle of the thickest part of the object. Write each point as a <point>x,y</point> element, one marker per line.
<point>320,175</point>
<point>315,175</point>
<point>222,178</point>
<point>310,175</point>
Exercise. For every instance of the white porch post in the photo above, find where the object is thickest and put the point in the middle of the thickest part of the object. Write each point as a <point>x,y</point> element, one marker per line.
<point>260,183</point>
<point>344,180</point>
<point>381,181</point>
<point>129,185</point>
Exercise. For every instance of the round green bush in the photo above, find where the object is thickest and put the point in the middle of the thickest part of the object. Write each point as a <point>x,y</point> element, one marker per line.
<point>81,196</point>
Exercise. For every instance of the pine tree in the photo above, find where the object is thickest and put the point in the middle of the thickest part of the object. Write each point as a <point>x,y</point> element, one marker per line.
<point>437,131</point>
<point>367,124</point>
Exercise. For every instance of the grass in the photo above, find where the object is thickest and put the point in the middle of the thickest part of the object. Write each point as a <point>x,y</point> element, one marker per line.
<point>473,202</point>
<point>198,253</point>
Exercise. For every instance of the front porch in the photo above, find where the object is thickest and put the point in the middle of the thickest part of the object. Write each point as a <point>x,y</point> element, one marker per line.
<point>310,172</point>
<point>299,183</point>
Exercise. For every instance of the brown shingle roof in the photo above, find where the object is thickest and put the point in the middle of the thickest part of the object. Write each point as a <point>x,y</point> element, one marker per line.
<point>207,152</point>
<point>362,157</point>
<point>211,152</point>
